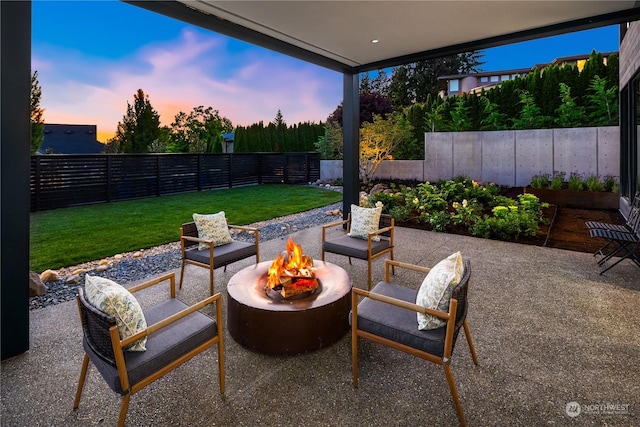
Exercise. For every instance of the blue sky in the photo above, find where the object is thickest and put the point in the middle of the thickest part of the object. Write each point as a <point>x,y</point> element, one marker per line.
<point>92,56</point>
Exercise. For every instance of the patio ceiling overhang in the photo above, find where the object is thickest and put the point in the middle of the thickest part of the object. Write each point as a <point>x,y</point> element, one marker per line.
<point>338,34</point>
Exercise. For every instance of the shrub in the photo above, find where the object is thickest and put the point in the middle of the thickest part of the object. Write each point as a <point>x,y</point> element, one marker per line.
<point>611,184</point>
<point>575,182</point>
<point>593,183</point>
<point>508,222</point>
<point>540,181</point>
<point>557,181</point>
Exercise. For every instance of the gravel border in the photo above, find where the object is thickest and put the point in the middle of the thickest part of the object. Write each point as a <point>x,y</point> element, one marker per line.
<point>134,266</point>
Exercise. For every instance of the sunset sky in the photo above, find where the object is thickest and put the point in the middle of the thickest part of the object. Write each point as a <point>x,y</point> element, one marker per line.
<point>92,56</point>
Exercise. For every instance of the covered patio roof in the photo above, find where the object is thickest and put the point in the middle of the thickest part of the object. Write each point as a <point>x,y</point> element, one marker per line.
<point>339,34</point>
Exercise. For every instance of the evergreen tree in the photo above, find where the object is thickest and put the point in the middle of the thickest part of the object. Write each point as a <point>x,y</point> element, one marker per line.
<point>330,144</point>
<point>493,118</point>
<point>530,114</point>
<point>37,121</point>
<point>459,116</point>
<point>602,106</point>
<point>139,127</point>
<point>412,83</point>
<point>568,113</point>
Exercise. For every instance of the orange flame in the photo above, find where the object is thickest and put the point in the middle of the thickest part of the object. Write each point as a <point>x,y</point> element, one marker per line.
<point>291,263</point>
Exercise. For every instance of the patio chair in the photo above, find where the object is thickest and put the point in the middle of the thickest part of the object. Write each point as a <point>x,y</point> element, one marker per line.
<point>626,246</point>
<point>209,254</point>
<point>628,227</point>
<point>387,315</point>
<point>175,333</point>
<point>369,246</point>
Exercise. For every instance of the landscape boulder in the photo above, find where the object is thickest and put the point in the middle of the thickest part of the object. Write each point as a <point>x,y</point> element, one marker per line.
<point>36,287</point>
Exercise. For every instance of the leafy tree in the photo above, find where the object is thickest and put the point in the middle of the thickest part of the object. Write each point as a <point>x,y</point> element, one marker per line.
<point>370,105</point>
<point>378,140</point>
<point>139,127</point>
<point>568,113</point>
<point>602,107</point>
<point>330,145</point>
<point>163,143</point>
<point>200,131</point>
<point>37,121</point>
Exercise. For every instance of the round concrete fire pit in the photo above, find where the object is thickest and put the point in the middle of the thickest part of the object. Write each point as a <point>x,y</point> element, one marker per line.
<point>280,326</point>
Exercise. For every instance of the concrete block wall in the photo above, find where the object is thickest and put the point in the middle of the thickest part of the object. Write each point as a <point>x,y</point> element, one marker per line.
<point>509,158</point>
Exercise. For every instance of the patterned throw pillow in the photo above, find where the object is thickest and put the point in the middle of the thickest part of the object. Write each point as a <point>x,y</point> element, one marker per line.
<point>113,299</point>
<point>212,227</point>
<point>364,221</point>
<point>435,291</point>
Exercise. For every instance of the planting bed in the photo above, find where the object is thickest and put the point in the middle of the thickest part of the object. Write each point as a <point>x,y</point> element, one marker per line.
<point>566,229</point>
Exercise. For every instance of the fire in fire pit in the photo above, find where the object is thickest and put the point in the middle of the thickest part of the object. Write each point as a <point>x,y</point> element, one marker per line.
<point>292,274</point>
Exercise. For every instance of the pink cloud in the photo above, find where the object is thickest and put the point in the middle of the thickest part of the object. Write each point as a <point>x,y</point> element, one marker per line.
<point>195,69</point>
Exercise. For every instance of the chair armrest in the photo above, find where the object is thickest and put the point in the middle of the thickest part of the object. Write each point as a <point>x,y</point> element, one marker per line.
<point>400,303</point>
<point>325,227</point>
<point>244,228</point>
<point>175,317</point>
<point>171,277</point>
<point>197,239</point>
<point>335,224</point>
<point>392,263</point>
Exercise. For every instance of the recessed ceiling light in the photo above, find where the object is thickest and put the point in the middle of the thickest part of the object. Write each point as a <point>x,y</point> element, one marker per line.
<point>374,41</point>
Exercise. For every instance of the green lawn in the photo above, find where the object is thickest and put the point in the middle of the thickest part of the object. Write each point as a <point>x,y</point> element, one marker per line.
<point>70,236</point>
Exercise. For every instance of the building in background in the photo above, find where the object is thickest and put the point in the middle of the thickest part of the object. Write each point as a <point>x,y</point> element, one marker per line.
<point>458,84</point>
<point>70,139</point>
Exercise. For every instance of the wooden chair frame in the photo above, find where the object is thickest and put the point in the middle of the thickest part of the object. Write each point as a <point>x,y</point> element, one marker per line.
<point>189,238</point>
<point>119,345</point>
<point>384,231</point>
<point>450,335</point>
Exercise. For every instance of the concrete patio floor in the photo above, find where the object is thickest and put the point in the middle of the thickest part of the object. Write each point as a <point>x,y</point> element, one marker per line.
<point>548,331</point>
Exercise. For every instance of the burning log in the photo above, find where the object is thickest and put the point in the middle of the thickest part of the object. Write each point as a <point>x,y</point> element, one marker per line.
<point>292,273</point>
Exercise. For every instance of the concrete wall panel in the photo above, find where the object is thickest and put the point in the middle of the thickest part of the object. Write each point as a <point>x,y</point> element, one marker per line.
<point>504,157</point>
<point>400,169</point>
<point>498,151</point>
<point>438,156</point>
<point>575,151</point>
<point>467,154</point>
<point>609,151</point>
<point>534,154</point>
<point>330,169</point>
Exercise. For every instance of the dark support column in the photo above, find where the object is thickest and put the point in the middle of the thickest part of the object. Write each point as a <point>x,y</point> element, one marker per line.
<point>15,81</point>
<point>351,142</point>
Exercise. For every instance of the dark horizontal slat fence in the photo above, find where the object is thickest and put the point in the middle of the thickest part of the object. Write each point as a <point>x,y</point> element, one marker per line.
<point>61,180</point>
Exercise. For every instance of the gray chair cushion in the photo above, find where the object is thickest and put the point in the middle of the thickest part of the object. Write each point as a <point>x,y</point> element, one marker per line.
<point>163,347</point>
<point>353,247</point>
<point>224,254</point>
<point>398,324</point>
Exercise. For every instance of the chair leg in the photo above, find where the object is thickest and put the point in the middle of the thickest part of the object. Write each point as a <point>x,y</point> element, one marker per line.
<point>124,407</point>
<point>369,274</point>
<point>354,359</point>
<point>211,279</point>
<point>83,376</point>
<point>454,394</point>
<point>467,334</point>
<point>181,274</point>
